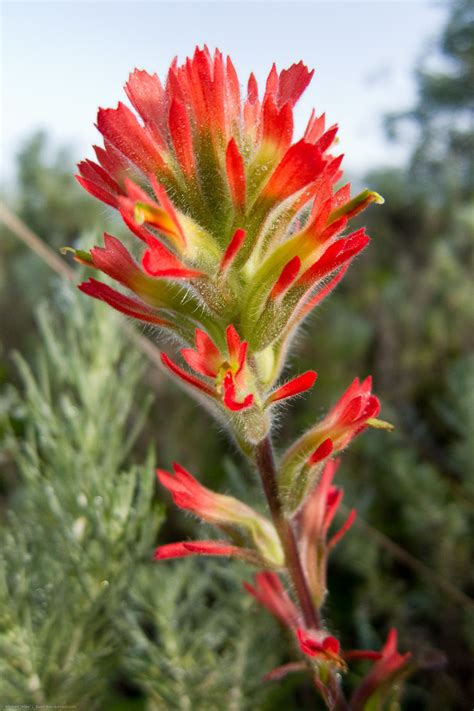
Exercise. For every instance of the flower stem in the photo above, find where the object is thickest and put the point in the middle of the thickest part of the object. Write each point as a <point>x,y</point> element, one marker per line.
<point>266,466</point>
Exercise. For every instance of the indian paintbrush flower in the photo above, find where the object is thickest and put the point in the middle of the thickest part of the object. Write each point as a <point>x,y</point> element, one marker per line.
<point>314,519</point>
<point>225,512</point>
<point>241,232</point>
<point>390,668</point>
<point>270,593</point>
<point>238,226</point>
<point>347,418</point>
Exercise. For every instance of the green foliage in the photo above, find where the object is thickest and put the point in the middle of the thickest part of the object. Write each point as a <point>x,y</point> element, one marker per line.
<point>197,642</point>
<point>52,204</point>
<point>82,517</point>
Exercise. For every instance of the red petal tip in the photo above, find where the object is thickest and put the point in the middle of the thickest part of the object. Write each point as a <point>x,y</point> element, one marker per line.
<point>287,277</point>
<point>294,387</point>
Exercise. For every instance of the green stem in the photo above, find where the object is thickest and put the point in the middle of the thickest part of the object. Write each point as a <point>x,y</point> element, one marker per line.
<point>266,467</point>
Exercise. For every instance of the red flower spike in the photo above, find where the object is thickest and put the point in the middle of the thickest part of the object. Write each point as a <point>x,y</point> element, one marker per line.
<point>294,387</point>
<point>232,250</point>
<point>270,593</point>
<point>235,174</point>
<point>199,111</point>
<point>287,277</point>
<point>383,674</point>
<point>214,189</point>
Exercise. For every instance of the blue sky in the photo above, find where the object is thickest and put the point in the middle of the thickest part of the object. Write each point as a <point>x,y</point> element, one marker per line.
<point>61,60</point>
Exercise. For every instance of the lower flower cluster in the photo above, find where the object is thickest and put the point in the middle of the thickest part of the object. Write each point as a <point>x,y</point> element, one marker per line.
<point>255,539</point>
<point>322,651</point>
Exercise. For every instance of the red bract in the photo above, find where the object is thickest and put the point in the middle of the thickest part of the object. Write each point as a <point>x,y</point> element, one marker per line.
<point>350,414</point>
<point>225,512</point>
<point>321,646</point>
<point>227,370</point>
<point>390,667</point>
<point>348,418</point>
<point>293,387</point>
<point>212,548</point>
<point>270,593</point>
<point>314,519</point>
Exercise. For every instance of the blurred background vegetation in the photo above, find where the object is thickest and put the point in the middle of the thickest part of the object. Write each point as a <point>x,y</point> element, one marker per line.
<point>85,617</point>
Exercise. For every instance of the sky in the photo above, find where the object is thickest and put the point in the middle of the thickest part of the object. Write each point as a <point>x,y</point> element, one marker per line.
<point>61,60</point>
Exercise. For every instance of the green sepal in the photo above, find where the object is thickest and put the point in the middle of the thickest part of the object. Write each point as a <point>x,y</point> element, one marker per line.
<point>377,424</point>
<point>356,205</point>
<point>79,255</point>
<point>295,474</point>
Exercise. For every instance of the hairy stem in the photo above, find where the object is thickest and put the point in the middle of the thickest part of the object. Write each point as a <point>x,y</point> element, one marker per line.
<point>266,467</point>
